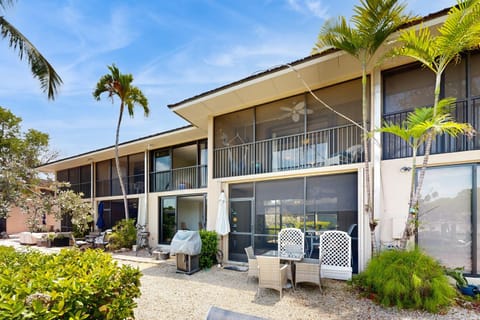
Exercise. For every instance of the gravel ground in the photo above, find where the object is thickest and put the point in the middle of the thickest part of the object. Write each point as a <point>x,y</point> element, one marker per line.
<point>169,295</point>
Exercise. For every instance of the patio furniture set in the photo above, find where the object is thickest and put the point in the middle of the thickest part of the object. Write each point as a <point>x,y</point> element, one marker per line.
<point>275,268</point>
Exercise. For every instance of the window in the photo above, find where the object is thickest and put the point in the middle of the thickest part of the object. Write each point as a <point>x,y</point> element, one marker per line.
<point>281,118</point>
<point>136,173</point>
<point>475,74</point>
<point>132,170</point>
<point>345,98</point>
<point>445,219</point>
<point>403,94</point>
<point>279,204</point>
<point>234,128</point>
<point>79,179</point>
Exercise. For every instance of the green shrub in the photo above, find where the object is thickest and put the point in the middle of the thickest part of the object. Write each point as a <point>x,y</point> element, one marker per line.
<point>208,255</point>
<point>124,235</point>
<point>67,285</point>
<point>406,279</point>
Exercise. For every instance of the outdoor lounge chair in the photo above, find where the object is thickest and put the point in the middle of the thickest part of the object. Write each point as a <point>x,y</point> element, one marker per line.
<point>252,263</point>
<point>80,244</point>
<point>102,240</point>
<point>271,274</point>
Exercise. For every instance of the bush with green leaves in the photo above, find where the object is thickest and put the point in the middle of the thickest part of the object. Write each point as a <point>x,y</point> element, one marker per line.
<point>208,255</point>
<point>406,279</point>
<point>68,285</point>
<point>124,235</point>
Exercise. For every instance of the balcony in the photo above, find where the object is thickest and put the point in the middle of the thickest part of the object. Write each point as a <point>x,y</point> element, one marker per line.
<point>134,184</point>
<point>463,111</point>
<point>177,179</point>
<point>327,147</point>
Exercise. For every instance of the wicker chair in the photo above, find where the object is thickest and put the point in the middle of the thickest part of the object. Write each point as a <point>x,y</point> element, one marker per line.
<point>252,263</point>
<point>336,253</point>
<point>308,270</point>
<point>271,274</point>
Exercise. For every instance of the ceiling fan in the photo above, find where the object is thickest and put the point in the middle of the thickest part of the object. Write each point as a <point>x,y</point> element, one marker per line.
<point>295,111</point>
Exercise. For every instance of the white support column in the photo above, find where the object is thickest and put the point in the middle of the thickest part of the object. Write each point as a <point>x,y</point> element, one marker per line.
<point>92,190</point>
<point>364,250</point>
<point>376,116</point>
<point>146,181</point>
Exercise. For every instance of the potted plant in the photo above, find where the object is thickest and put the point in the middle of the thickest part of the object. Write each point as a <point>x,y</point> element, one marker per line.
<point>462,282</point>
<point>60,240</point>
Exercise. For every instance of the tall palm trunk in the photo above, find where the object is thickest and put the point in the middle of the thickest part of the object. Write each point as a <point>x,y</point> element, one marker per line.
<point>368,207</point>
<point>117,162</point>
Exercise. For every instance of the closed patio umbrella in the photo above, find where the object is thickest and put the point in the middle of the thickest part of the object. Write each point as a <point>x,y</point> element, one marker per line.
<point>142,211</point>
<point>223,225</point>
<point>100,222</point>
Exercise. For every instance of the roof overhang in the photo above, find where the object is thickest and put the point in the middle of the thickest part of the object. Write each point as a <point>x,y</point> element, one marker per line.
<point>161,140</point>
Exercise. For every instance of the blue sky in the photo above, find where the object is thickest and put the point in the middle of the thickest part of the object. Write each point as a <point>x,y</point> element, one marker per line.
<point>174,49</point>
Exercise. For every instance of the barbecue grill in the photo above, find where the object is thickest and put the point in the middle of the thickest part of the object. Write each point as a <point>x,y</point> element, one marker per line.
<point>187,245</point>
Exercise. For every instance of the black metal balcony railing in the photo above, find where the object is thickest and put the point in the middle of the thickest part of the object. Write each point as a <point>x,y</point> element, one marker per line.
<point>394,147</point>
<point>111,187</point>
<point>333,146</point>
<point>181,178</point>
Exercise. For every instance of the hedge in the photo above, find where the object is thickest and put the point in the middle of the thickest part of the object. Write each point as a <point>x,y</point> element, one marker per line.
<point>68,285</point>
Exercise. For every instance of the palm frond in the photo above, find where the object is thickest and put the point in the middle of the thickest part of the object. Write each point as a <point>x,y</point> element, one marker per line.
<point>419,115</point>
<point>454,129</point>
<point>338,34</point>
<point>136,97</point>
<point>118,84</point>
<point>4,4</point>
<point>460,31</point>
<point>40,67</point>
<point>400,131</point>
<point>418,45</point>
<point>103,85</point>
<point>446,105</point>
<point>376,20</point>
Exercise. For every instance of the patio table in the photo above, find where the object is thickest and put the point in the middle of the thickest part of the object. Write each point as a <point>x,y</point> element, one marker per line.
<point>290,258</point>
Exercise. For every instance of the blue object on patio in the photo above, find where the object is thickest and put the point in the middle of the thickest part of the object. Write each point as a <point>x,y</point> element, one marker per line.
<point>215,313</point>
<point>470,290</point>
<point>100,223</point>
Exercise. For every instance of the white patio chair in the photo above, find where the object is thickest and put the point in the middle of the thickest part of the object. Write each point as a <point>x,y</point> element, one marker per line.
<point>291,242</point>
<point>336,253</point>
<point>252,263</point>
<point>271,274</point>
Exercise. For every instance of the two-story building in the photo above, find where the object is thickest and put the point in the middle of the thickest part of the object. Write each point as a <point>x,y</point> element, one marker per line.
<point>284,160</point>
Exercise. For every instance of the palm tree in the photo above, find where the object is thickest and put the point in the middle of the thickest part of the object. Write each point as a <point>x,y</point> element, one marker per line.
<point>459,32</point>
<point>120,85</point>
<point>372,23</point>
<point>421,125</point>
<point>40,67</point>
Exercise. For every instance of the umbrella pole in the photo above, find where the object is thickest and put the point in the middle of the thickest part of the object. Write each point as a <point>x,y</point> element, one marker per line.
<point>221,249</point>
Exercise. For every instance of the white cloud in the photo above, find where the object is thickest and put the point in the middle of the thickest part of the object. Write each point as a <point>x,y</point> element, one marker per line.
<point>310,7</point>
<point>317,9</point>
